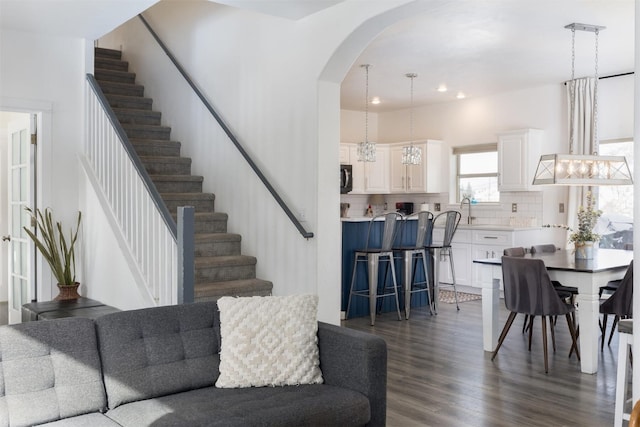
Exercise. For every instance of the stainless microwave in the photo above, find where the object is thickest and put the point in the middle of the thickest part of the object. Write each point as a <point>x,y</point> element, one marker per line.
<point>346,179</point>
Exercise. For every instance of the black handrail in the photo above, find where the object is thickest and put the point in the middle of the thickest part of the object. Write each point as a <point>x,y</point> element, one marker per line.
<point>131,151</point>
<point>306,234</point>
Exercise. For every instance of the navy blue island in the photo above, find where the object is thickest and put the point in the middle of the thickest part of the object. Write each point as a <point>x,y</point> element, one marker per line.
<point>354,237</point>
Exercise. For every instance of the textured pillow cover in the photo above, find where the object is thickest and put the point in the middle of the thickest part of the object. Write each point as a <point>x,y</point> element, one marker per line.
<point>268,341</point>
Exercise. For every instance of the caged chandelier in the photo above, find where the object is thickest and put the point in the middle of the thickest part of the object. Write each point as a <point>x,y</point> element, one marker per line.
<point>582,169</point>
<point>411,155</point>
<point>366,149</point>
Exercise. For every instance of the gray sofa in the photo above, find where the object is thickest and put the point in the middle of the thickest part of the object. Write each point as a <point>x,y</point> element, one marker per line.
<point>158,366</point>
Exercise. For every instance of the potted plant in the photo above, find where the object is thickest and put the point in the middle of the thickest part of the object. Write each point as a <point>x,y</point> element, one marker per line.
<point>57,250</point>
<point>584,237</point>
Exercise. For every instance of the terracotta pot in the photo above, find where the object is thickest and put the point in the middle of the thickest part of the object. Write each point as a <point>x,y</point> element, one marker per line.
<point>67,292</point>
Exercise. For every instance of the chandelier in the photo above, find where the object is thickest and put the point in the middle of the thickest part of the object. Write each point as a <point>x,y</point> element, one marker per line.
<point>583,169</point>
<point>366,149</point>
<point>411,155</point>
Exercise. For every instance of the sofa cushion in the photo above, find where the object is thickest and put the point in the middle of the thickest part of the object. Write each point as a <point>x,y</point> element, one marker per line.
<point>92,420</point>
<point>49,370</point>
<point>305,405</point>
<point>157,351</point>
<point>269,341</point>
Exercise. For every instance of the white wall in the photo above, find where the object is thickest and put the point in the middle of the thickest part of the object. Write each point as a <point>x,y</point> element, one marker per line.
<point>47,73</point>
<point>261,73</point>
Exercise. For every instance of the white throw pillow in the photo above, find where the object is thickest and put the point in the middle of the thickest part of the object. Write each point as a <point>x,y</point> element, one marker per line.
<point>269,341</point>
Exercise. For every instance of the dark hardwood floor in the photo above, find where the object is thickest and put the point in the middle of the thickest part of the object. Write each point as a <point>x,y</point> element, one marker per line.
<point>438,374</point>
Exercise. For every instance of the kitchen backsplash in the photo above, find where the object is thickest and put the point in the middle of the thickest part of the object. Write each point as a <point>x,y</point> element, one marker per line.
<point>529,207</point>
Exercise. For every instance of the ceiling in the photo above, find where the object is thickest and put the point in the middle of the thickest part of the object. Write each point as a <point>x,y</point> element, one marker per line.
<point>483,47</point>
<point>479,47</point>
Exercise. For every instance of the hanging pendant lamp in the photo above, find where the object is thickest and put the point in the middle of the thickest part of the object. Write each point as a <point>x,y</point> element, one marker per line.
<point>411,155</point>
<point>583,169</point>
<point>366,149</point>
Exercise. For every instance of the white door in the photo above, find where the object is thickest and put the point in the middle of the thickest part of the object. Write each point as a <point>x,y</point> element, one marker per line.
<point>21,258</point>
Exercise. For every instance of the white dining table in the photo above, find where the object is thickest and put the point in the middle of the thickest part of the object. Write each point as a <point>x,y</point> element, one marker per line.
<point>586,275</point>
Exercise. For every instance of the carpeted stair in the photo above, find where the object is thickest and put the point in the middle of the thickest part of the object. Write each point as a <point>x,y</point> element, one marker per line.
<point>221,269</point>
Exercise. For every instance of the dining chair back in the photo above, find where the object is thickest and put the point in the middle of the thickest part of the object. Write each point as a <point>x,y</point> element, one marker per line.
<point>619,304</point>
<point>528,290</point>
<point>517,251</point>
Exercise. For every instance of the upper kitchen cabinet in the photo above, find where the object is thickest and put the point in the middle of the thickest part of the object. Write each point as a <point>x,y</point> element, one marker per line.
<point>426,177</point>
<point>370,177</point>
<point>518,155</point>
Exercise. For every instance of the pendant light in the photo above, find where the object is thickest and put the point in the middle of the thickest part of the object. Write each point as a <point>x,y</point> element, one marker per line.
<point>411,155</point>
<point>366,149</point>
<point>583,169</point>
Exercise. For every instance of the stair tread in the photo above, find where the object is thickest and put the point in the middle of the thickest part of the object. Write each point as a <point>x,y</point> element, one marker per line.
<point>227,287</point>
<point>136,111</point>
<point>118,84</point>
<point>135,126</point>
<point>225,261</point>
<point>107,71</point>
<point>195,196</point>
<point>177,178</point>
<point>103,52</point>
<point>154,141</point>
<point>218,237</point>
<point>168,159</point>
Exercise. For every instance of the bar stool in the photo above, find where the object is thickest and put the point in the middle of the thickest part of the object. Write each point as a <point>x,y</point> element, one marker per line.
<point>625,342</point>
<point>373,254</point>
<point>411,255</point>
<point>443,249</point>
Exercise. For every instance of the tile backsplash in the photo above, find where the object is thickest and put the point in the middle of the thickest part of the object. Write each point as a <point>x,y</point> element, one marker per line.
<point>529,207</point>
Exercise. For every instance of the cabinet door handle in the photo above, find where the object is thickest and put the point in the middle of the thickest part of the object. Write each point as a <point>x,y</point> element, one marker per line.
<point>490,237</point>
<point>409,182</point>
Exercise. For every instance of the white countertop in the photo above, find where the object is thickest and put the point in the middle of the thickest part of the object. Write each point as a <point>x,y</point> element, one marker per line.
<point>461,226</point>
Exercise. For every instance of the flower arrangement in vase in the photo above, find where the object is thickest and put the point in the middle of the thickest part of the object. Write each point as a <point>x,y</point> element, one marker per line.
<point>584,237</point>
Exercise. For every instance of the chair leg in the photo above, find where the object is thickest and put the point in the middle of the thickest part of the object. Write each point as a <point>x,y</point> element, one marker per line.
<point>574,335</point>
<point>530,330</point>
<point>613,329</point>
<point>604,331</point>
<point>423,254</point>
<point>395,286</point>
<point>544,344</point>
<point>453,277</point>
<point>353,281</point>
<point>503,335</point>
<point>552,327</point>
<point>524,325</point>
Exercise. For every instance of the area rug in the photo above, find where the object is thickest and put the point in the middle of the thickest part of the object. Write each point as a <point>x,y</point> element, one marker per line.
<point>449,298</point>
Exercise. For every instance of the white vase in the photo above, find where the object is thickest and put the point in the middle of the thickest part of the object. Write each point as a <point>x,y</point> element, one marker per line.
<point>584,250</point>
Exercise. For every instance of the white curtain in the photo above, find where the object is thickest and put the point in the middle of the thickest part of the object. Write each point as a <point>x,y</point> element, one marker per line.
<point>582,138</point>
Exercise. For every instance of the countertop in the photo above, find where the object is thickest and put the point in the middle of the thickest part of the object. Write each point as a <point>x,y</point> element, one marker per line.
<point>461,226</point>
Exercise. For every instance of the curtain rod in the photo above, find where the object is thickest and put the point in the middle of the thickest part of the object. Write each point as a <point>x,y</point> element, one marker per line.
<point>616,75</point>
<point>611,76</point>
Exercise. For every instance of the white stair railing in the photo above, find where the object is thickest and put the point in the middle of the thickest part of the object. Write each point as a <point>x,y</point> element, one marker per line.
<point>133,206</point>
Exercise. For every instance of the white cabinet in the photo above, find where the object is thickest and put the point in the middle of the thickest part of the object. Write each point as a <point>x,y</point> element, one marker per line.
<point>370,177</point>
<point>344,155</point>
<point>462,257</point>
<point>518,156</point>
<point>426,177</point>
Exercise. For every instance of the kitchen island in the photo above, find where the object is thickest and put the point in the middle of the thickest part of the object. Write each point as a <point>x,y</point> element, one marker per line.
<point>470,242</point>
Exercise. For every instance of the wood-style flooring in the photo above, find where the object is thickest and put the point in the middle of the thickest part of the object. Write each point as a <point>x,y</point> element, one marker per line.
<point>439,375</point>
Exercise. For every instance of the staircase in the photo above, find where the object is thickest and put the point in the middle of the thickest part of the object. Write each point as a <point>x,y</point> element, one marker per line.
<point>220,268</point>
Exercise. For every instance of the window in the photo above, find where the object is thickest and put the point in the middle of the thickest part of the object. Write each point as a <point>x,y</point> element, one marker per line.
<point>616,201</point>
<point>477,176</point>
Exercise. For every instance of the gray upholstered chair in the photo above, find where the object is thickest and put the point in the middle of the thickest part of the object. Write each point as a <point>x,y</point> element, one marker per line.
<point>564,291</point>
<point>379,248</point>
<point>449,220</point>
<point>528,290</point>
<point>414,253</point>
<point>620,304</point>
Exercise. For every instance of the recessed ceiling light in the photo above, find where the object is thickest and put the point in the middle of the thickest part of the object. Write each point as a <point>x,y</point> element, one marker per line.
<point>442,88</point>
<point>461,95</point>
<point>375,100</point>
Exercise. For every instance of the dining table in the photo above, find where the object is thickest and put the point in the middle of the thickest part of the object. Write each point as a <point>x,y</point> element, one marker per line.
<point>586,275</point>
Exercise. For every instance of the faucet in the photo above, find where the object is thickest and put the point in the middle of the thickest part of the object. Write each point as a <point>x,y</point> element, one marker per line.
<point>468,202</point>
